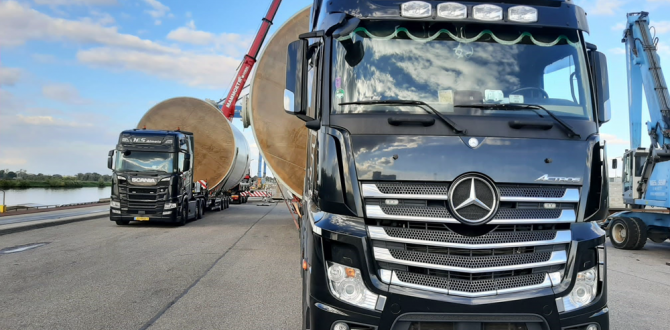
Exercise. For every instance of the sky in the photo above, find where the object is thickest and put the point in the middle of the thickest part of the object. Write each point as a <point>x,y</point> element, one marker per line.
<point>74,73</point>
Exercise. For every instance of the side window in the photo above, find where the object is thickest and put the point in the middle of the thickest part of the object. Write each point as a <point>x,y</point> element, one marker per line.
<point>181,162</point>
<point>313,167</point>
<point>313,80</point>
<point>639,163</point>
<point>560,80</point>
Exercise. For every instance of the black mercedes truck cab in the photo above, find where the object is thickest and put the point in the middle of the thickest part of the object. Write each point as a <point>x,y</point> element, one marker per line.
<point>455,171</point>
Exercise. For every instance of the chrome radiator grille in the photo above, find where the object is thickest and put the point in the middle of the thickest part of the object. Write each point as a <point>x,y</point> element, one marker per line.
<point>417,243</point>
<point>471,288</point>
<point>443,236</point>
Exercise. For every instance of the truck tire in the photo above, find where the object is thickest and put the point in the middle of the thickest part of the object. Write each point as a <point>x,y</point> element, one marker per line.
<point>183,216</point>
<point>122,222</point>
<point>642,233</point>
<point>625,233</point>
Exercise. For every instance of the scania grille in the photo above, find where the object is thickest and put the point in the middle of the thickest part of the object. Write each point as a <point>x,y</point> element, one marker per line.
<point>417,243</point>
<point>142,200</point>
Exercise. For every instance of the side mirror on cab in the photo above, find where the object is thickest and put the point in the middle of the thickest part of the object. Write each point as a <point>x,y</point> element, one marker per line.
<point>109,159</point>
<point>295,95</point>
<point>614,163</point>
<point>187,162</point>
<point>599,63</point>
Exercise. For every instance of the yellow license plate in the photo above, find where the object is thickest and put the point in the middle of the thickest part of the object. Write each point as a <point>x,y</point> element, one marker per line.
<point>142,218</point>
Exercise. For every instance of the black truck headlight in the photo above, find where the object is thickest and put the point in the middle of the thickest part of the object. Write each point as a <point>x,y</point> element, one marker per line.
<point>346,284</point>
<point>114,204</point>
<point>584,291</point>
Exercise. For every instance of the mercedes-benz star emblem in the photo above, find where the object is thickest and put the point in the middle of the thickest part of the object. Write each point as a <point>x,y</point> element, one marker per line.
<point>473,199</point>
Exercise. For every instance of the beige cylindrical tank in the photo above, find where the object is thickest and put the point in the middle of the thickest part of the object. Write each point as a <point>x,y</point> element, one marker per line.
<point>281,138</point>
<point>221,153</point>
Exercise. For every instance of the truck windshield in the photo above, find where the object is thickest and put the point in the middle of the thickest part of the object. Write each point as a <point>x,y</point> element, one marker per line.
<point>444,66</point>
<point>144,161</point>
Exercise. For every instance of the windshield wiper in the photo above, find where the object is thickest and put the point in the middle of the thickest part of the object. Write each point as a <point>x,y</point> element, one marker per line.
<point>521,106</point>
<point>419,104</point>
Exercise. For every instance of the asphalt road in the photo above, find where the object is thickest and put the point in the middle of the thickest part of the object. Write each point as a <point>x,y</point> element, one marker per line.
<point>234,269</point>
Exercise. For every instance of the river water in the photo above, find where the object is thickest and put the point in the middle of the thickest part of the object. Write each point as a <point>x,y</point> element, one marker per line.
<point>55,196</point>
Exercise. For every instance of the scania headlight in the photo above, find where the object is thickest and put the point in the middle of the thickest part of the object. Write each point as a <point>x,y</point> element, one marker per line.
<point>584,291</point>
<point>170,205</point>
<point>114,204</point>
<point>346,284</point>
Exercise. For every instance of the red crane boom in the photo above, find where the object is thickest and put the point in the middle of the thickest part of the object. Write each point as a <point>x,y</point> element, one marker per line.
<point>228,107</point>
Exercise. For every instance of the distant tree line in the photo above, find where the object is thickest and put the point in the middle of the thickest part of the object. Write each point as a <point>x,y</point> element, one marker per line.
<point>23,179</point>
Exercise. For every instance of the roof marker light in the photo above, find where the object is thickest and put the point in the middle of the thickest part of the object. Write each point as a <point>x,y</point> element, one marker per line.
<point>452,10</point>
<point>416,9</point>
<point>487,12</point>
<point>523,14</point>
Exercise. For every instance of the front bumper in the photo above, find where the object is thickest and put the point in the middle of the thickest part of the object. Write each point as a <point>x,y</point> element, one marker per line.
<point>402,311</point>
<point>124,216</point>
<point>405,306</point>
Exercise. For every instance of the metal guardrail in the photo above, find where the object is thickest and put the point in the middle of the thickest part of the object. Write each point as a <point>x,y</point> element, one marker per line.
<point>42,207</point>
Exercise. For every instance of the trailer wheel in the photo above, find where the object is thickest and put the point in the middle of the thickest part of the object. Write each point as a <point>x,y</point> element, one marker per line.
<point>122,222</point>
<point>625,233</point>
<point>198,210</point>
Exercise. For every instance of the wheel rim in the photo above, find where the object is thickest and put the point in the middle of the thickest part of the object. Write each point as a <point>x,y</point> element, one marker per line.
<point>619,233</point>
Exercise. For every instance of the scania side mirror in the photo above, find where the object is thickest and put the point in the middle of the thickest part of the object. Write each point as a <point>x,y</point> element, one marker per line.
<point>602,86</point>
<point>614,163</point>
<point>187,162</point>
<point>295,101</point>
<point>109,159</point>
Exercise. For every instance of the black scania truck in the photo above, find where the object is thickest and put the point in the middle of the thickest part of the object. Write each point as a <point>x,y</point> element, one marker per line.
<point>153,178</point>
<point>455,171</point>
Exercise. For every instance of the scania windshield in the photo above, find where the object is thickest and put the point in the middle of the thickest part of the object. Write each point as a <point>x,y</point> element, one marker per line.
<point>144,161</point>
<point>445,65</point>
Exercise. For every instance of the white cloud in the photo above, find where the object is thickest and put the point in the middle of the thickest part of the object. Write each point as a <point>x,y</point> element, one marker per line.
<point>9,76</point>
<point>663,49</point>
<point>103,19</point>
<point>158,10</point>
<point>74,2</point>
<point>19,24</point>
<point>13,161</point>
<point>232,43</point>
<point>618,51</point>
<point>211,71</point>
<point>51,139</point>
<point>65,93</point>
<point>661,26</point>
<point>44,58</point>
<point>604,7</point>
<point>49,121</point>
<point>618,27</point>
<point>613,139</point>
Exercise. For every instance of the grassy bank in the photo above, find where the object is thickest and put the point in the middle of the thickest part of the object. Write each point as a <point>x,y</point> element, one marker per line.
<point>51,183</point>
